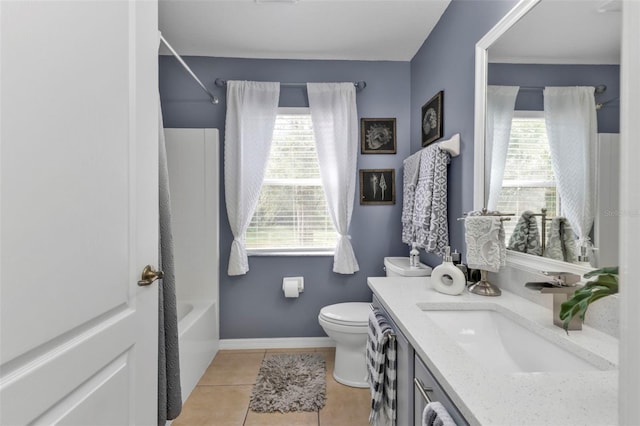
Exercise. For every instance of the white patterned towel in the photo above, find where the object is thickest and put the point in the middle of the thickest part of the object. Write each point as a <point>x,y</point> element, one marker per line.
<point>484,236</point>
<point>410,179</point>
<point>435,414</point>
<point>381,370</point>
<point>430,206</point>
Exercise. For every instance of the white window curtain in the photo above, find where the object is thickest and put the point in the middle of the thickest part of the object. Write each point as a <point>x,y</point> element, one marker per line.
<point>570,117</point>
<point>501,101</point>
<point>251,116</point>
<point>335,126</point>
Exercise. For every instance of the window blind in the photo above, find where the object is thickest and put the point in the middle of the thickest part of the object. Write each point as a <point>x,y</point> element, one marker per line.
<point>528,182</point>
<point>292,213</point>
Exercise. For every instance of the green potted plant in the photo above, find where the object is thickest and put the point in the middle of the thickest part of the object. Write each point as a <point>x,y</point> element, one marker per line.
<point>604,284</point>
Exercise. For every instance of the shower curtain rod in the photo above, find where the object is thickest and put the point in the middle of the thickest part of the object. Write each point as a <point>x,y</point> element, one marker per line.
<point>214,100</point>
<point>599,89</point>
<point>360,85</point>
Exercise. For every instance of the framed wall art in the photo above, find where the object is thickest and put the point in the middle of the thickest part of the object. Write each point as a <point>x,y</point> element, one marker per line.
<point>432,118</point>
<point>377,186</point>
<point>378,135</point>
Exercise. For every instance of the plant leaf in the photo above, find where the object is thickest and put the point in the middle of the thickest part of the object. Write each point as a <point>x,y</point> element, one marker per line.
<point>611,270</point>
<point>604,285</point>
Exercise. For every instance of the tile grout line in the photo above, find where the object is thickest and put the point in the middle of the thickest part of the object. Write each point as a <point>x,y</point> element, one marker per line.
<point>246,413</point>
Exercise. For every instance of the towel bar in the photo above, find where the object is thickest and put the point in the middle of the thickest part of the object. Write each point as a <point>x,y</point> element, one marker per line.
<point>392,335</point>
<point>502,219</point>
<point>423,391</point>
<point>543,227</point>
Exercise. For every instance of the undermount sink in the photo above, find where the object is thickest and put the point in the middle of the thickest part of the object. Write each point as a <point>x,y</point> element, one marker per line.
<point>500,343</point>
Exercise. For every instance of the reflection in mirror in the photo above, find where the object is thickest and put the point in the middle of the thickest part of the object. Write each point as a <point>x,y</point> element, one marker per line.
<point>552,118</point>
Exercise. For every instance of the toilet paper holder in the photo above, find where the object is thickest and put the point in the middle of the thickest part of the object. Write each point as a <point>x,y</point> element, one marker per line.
<point>293,282</point>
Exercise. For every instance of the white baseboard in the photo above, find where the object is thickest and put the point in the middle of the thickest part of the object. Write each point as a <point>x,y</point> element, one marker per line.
<point>277,342</point>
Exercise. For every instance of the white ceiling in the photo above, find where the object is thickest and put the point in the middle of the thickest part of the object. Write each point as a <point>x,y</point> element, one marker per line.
<point>563,32</point>
<point>381,30</point>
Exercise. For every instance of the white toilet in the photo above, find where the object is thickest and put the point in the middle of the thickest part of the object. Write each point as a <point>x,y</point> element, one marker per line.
<point>399,266</point>
<point>347,324</point>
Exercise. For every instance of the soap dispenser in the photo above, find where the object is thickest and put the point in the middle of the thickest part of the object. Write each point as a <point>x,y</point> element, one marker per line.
<point>414,256</point>
<point>447,278</point>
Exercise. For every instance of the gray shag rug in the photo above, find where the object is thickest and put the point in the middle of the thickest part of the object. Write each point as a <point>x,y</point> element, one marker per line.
<point>289,382</point>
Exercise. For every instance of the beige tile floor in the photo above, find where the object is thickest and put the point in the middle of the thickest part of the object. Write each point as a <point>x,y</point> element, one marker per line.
<point>221,398</point>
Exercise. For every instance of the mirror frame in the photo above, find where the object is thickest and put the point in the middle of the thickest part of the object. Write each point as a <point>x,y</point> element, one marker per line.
<point>516,260</point>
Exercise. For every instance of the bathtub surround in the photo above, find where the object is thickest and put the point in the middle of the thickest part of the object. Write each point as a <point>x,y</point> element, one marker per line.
<point>169,392</point>
<point>335,125</point>
<point>192,156</point>
<point>251,116</point>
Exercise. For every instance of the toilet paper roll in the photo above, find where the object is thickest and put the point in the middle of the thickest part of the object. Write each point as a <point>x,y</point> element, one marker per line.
<point>292,286</point>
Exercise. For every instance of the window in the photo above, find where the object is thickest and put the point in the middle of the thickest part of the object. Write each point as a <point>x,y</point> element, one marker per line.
<point>528,182</point>
<point>292,215</point>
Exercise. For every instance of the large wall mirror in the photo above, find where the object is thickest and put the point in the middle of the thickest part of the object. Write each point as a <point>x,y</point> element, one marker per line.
<point>524,161</point>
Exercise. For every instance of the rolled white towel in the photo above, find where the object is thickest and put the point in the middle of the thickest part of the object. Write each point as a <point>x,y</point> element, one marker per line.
<point>435,414</point>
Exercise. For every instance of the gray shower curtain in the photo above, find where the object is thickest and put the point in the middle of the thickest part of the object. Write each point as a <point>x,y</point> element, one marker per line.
<point>169,391</point>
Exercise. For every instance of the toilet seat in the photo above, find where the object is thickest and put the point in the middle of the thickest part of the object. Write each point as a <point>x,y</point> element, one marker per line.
<point>351,314</point>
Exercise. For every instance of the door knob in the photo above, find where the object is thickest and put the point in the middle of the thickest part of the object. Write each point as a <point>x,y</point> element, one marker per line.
<point>149,275</point>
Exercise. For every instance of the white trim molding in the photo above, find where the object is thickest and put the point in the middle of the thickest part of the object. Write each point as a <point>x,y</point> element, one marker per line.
<point>629,377</point>
<point>482,59</point>
<point>278,342</point>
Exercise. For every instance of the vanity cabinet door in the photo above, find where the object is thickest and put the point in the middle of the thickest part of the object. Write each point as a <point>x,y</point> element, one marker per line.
<point>425,380</point>
<point>404,379</point>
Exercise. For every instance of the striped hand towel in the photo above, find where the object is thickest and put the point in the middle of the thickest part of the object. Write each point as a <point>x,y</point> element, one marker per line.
<point>381,370</point>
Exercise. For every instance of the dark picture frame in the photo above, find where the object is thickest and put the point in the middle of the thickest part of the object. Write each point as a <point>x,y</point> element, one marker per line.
<point>432,119</point>
<point>378,136</point>
<point>377,186</point>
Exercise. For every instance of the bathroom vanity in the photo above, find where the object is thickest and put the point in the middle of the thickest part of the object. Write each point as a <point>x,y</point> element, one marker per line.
<point>495,360</point>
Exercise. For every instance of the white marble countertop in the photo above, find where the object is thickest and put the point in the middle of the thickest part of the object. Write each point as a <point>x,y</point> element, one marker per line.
<point>486,396</point>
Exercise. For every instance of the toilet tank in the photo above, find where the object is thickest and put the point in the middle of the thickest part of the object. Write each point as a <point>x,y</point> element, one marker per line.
<point>399,267</point>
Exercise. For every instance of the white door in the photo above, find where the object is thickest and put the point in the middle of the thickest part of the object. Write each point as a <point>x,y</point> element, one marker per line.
<point>79,212</point>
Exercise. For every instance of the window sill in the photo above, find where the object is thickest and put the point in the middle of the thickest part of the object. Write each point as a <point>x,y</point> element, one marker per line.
<point>289,253</point>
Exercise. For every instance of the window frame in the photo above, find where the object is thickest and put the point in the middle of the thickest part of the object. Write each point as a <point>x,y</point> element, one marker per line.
<point>287,252</point>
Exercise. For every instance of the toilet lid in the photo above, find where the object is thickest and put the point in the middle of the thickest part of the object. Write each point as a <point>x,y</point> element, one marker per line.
<point>352,313</point>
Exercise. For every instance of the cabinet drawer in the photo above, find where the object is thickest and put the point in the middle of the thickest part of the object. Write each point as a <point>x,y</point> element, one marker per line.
<point>425,380</point>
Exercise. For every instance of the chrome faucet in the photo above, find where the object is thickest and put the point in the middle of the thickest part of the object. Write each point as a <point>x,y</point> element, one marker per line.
<point>561,285</point>
<point>562,279</point>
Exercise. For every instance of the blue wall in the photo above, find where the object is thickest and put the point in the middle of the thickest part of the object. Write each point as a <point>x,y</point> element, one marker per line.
<point>253,306</point>
<point>541,75</point>
<point>446,61</point>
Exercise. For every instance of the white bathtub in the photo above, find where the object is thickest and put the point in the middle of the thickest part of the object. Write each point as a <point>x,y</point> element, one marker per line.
<point>198,339</point>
